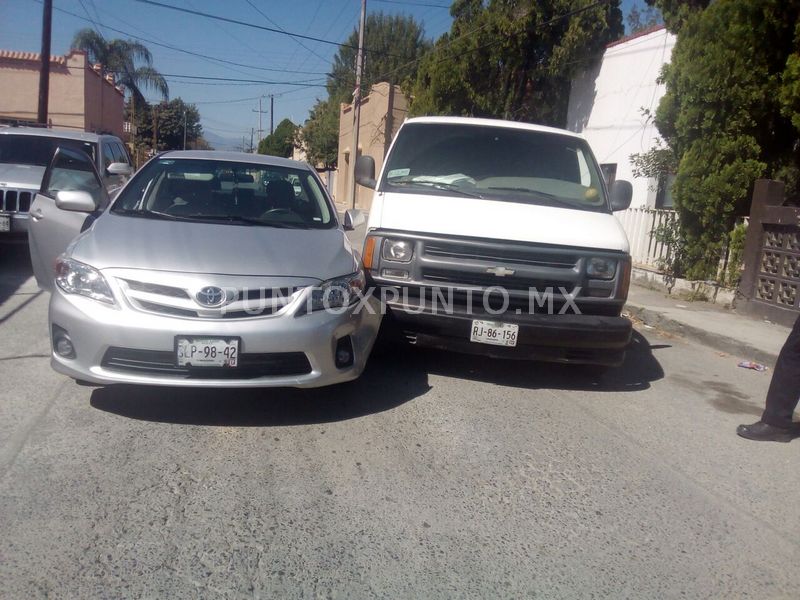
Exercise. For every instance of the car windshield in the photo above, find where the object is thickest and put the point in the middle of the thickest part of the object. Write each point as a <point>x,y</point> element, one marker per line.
<point>38,150</point>
<point>498,163</point>
<point>239,193</point>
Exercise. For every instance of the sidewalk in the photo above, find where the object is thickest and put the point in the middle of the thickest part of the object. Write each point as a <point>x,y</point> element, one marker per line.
<point>742,337</point>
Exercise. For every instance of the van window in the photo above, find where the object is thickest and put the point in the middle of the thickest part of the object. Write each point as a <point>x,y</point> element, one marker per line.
<point>496,163</point>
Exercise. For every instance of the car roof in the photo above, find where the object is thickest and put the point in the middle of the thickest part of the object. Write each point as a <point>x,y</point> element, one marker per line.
<point>260,159</point>
<point>493,123</point>
<point>66,134</point>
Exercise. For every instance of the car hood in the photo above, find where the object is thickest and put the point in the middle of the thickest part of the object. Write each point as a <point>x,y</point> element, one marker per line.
<point>21,176</point>
<point>475,217</point>
<point>184,247</point>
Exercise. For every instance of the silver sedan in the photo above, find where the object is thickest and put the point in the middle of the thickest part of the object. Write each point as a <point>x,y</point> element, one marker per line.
<point>208,269</point>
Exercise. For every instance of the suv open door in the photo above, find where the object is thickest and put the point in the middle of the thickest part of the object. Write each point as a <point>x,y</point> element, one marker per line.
<point>72,196</point>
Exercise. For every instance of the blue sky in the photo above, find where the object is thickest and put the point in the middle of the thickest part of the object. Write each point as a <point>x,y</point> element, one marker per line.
<point>226,108</point>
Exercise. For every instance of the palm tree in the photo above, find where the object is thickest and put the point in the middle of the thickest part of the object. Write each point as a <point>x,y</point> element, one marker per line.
<point>120,57</point>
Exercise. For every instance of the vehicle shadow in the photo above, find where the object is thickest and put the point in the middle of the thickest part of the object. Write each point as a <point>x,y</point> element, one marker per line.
<point>15,266</point>
<point>386,383</point>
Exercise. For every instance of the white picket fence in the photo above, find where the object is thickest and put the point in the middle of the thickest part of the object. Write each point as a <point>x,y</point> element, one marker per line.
<point>639,224</point>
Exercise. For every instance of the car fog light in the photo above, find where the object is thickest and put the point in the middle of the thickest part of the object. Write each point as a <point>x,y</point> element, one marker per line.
<point>344,352</point>
<point>62,344</point>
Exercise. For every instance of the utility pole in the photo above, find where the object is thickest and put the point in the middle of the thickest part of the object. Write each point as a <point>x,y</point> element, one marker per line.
<point>260,112</point>
<point>252,150</point>
<point>271,114</point>
<point>184,130</point>
<point>44,70</point>
<point>155,130</point>
<point>357,103</point>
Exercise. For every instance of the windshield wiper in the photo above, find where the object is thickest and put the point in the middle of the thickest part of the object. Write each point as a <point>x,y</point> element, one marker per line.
<point>545,195</point>
<point>439,185</point>
<point>149,214</point>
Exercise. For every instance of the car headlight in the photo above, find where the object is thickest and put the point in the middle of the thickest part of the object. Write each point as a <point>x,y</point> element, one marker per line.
<point>339,292</point>
<point>601,268</point>
<point>397,250</point>
<point>74,277</point>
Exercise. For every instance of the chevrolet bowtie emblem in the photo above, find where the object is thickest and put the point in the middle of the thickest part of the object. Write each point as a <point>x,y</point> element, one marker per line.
<point>500,271</point>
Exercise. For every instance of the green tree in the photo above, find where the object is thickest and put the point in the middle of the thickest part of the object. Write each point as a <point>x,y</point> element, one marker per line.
<point>129,61</point>
<point>168,118</point>
<point>281,141</point>
<point>513,59</point>
<point>639,19</point>
<point>320,134</point>
<point>394,45</point>
<point>730,113</point>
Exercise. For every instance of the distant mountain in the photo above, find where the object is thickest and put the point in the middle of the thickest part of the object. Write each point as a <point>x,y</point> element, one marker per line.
<point>219,142</point>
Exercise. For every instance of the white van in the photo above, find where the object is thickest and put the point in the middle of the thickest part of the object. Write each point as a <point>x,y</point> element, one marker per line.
<point>498,238</point>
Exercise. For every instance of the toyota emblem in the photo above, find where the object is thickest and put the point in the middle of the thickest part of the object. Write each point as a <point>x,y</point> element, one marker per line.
<point>211,296</point>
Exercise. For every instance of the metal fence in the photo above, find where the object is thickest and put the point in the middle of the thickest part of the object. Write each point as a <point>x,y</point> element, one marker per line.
<point>639,225</point>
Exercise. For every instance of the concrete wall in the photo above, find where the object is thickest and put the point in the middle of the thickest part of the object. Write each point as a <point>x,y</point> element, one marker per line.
<point>607,100</point>
<point>383,110</point>
<point>78,99</point>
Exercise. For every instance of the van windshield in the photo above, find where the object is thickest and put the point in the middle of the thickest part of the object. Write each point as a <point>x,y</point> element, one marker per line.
<point>497,163</point>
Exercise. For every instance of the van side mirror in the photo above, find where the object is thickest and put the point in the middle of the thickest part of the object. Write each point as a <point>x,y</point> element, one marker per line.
<point>76,200</point>
<point>353,218</point>
<point>119,168</point>
<point>621,195</point>
<point>365,171</point>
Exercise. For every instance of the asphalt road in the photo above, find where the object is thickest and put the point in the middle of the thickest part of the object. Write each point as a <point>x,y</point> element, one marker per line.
<point>433,476</point>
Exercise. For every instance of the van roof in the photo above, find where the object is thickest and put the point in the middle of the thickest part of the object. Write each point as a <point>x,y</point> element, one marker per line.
<point>493,123</point>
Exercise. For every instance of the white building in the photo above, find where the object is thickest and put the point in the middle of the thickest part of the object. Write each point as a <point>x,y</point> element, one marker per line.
<point>607,104</point>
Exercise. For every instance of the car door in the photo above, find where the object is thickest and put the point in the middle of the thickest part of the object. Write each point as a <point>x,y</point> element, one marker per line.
<point>51,229</point>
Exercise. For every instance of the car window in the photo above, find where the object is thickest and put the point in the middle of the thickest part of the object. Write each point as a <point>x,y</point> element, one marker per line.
<point>108,155</point>
<point>38,149</point>
<point>218,190</point>
<point>116,151</point>
<point>499,163</point>
<point>72,172</point>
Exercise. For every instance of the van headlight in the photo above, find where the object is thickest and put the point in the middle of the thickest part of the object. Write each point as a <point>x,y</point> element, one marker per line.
<point>601,268</point>
<point>397,250</point>
<point>339,292</point>
<point>75,277</point>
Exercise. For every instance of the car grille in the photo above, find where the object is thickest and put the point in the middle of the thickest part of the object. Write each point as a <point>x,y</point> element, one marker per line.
<point>162,363</point>
<point>178,302</point>
<point>17,201</point>
<point>461,278</point>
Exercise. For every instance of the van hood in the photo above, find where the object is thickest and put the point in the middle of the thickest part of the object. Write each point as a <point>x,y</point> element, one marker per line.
<point>116,241</point>
<point>515,221</point>
<point>21,176</point>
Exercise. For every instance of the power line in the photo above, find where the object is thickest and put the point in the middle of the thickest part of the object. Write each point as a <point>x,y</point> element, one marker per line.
<point>191,53</point>
<point>412,3</point>
<point>261,81</point>
<point>298,42</point>
<point>263,27</point>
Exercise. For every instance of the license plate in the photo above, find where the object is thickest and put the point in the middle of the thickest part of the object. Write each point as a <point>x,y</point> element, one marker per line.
<point>5,223</point>
<point>207,352</point>
<point>497,334</point>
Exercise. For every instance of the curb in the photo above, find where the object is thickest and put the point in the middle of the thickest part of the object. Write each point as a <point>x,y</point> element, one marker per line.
<point>716,341</point>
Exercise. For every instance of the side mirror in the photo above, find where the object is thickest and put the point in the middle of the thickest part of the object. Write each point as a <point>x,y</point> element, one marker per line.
<point>76,200</point>
<point>119,168</point>
<point>621,195</point>
<point>353,218</point>
<point>365,171</point>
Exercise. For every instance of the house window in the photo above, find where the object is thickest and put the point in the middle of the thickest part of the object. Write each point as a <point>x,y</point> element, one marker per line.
<point>664,193</point>
<point>609,173</point>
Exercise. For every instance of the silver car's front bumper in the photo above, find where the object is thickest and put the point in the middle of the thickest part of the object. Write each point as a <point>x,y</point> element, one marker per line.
<point>97,331</point>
